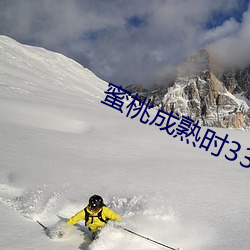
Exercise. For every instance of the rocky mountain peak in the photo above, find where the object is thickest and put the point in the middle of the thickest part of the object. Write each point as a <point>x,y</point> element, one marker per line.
<point>197,64</point>
<point>202,95</point>
<point>237,81</point>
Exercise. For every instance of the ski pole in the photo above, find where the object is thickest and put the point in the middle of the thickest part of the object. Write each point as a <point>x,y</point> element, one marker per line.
<point>45,228</point>
<point>146,238</point>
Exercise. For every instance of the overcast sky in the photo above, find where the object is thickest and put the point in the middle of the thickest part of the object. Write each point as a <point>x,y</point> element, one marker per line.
<point>131,41</point>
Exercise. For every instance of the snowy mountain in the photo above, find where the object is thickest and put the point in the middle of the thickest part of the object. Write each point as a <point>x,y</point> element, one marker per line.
<point>59,145</point>
<point>237,81</point>
<point>205,95</point>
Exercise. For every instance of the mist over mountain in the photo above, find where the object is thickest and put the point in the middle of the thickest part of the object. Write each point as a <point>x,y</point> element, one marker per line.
<point>203,89</point>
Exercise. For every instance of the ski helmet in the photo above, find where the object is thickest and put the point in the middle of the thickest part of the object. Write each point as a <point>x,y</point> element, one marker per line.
<point>95,202</point>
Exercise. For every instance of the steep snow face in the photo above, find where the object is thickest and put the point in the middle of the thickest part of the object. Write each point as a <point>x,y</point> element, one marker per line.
<point>42,77</point>
<point>59,145</point>
<point>39,69</point>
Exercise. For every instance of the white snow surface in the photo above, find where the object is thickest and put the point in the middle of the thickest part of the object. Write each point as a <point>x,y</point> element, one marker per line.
<point>59,145</point>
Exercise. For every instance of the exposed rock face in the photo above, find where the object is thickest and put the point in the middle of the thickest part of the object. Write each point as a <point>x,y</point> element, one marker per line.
<point>237,81</point>
<point>198,93</point>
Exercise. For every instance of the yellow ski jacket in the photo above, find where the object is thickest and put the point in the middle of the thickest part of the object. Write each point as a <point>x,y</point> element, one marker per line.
<point>94,223</point>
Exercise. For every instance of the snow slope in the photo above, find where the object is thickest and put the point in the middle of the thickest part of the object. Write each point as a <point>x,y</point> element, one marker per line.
<point>59,145</point>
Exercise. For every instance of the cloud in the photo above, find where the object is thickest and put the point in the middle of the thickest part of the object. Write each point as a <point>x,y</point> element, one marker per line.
<point>228,28</point>
<point>124,41</point>
<point>232,50</point>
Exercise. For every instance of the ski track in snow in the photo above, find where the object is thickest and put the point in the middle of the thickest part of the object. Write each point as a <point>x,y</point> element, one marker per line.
<point>145,214</point>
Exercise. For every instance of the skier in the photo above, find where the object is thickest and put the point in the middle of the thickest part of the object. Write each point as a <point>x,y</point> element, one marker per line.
<point>95,214</point>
